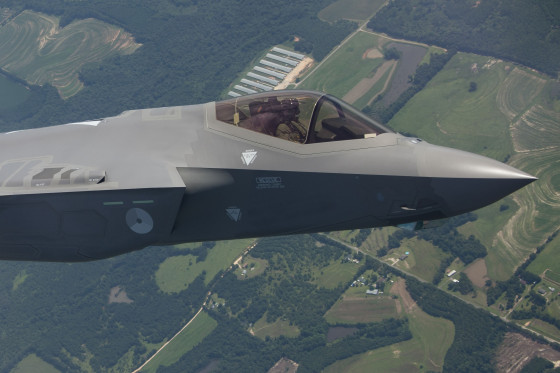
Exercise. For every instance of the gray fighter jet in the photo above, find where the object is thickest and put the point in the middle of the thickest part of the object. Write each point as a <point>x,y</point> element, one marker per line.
<point>280,162</point>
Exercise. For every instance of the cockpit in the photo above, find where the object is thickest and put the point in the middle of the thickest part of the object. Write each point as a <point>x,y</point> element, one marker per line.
<point>303,117</point>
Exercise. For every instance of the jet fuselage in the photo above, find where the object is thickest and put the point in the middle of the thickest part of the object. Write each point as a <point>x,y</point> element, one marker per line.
<point>278,163</point>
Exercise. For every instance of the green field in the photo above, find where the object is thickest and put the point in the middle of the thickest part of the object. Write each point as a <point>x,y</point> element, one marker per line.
<point>11,93</point>
<point>490,221</point>
<point>425,352</point>
<point>192,335</point>
<point>548,260</point>
<point>346,67</point>
<point>360,10</point>
<point>361,309</point>
<point>423,259</point>
<point>34,48</point>
<point>177,272</point>
<point>334,274</point>
<point>446,113</point>
<point>33,363</point>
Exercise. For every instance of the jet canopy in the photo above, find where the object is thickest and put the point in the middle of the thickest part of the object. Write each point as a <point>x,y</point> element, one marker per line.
<point>305,117</point>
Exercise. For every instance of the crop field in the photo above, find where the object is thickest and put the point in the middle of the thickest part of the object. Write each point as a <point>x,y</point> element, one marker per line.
<point>192,335</point>
<point>446,113</point>
<point>411,56</point>
<point>346,67</point>
<point>177,272</point>
<point>359,10</point>
<point>360,309</point>
<point>506,116</point>
<point>490,221</point>
<point>36,49</point>
<point>431,338</point>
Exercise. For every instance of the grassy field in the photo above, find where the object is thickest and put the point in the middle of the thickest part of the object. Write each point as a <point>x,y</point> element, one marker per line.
<point>192,335</point>
<point>423,259</point>
<point>426,351</point>
<point>177,272</point>
<point>11,93</point>
<point>446,113</point>
<point>361,309</point>
<point>334,274</point>
<point>490,221</point>
<point>262,329</point>
<point>346,68</point>
<point>35,49</point>
<point>548,260</point>
<point>33,363</point>
<point>359,10</point>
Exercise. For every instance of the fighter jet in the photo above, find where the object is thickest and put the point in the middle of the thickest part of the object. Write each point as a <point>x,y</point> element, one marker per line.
<point>275,163</point>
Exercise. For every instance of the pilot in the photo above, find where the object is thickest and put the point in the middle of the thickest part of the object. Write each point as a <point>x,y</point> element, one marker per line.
<point>291,128</point>
<point>265,116</point>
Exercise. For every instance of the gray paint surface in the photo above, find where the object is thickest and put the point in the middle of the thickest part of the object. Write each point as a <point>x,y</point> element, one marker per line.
<point>168,175</point>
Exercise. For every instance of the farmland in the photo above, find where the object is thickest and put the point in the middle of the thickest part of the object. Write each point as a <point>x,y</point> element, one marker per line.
<point>509,116</point>
<point>432,337</point>
<point>36,49</point>
<point>347,67</point>
<point>361,309</point>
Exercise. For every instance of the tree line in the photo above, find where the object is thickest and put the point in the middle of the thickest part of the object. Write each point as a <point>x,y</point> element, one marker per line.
<point>523,31</point>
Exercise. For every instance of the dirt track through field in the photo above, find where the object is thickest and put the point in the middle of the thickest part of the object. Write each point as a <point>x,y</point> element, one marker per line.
<point>399,288</point>
<point>366,84</point>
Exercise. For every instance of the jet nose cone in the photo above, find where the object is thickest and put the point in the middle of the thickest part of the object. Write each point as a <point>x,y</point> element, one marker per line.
<point>437,161</point>
<point>467,181</point>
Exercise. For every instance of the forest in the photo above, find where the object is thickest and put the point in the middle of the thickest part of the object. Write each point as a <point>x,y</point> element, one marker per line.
<point>522,31</point>
<point>285,291</point>
<point>63,307</point>
<point>191,51</point>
